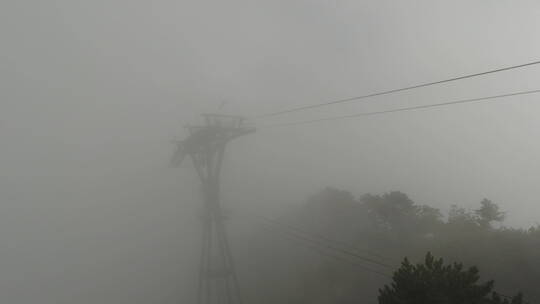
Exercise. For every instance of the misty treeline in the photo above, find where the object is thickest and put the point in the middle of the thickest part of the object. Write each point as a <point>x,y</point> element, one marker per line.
<point>383,230</point>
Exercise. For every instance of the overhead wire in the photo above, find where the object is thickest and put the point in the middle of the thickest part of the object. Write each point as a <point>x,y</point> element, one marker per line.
<point>317,240</point>
<point>323,250</point>
<point>342,246</point>
<point>422,85</point>
<point>404,109</point>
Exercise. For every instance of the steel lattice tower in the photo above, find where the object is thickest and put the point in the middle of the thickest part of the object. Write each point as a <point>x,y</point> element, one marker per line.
<point>205,145</point>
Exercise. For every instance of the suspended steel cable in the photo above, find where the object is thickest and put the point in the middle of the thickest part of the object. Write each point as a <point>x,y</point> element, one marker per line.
<point>362,97</point>
<point>318,241</point>
<point>322,250</point>
<point>338,245</point>
<point>444,104</point>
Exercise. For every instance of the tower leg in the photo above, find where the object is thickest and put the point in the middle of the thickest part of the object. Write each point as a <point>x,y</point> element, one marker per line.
<point>218,282</point>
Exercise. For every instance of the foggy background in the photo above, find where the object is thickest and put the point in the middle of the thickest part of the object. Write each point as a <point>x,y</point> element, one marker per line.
<point>93,93</point>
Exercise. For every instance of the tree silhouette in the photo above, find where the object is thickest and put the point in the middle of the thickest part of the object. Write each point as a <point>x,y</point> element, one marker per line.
<point>435,283</point>
<point>488,213</point>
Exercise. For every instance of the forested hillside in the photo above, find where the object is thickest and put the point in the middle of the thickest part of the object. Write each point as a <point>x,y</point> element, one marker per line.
<point>375,233</point>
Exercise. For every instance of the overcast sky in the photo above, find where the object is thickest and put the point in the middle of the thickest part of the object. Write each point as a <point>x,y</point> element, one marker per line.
<point>93,92</point>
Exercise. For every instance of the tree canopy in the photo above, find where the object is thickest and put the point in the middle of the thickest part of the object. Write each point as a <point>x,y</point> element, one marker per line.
<point>433,282</point>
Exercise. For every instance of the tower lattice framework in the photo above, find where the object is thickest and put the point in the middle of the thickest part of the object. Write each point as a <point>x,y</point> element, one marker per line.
<point>205,145</point>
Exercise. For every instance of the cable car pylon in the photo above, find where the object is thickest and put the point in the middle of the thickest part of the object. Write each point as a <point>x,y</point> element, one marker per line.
<point>205,145</point>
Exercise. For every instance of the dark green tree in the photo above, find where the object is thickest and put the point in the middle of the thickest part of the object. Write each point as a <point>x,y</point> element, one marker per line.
<point>433,282</point>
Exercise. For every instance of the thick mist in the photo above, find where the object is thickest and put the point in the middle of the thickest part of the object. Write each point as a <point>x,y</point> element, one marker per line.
<point>93,94</point>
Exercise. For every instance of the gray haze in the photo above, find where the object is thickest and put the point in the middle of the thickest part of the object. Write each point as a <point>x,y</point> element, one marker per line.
<point>93,92</point>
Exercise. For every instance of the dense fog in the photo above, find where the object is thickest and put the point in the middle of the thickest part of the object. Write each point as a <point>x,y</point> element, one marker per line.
<point>94,94</point>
